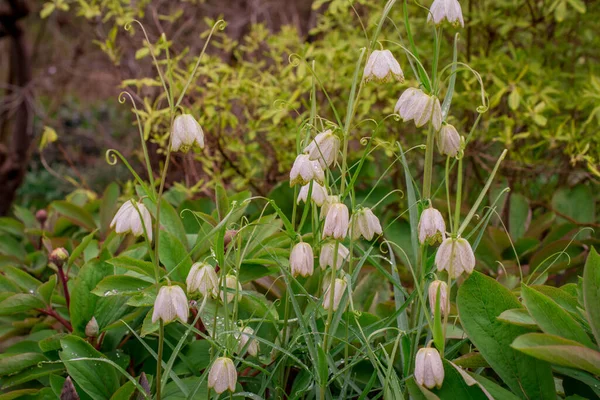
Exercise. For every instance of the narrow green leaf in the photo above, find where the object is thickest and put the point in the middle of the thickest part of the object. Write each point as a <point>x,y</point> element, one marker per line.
<point>19,303</point>
<point>15,363</point>
<point>591,291</point>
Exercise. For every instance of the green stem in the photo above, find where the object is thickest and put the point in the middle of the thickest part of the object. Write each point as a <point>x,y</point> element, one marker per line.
<point>428,163</point>
<point>161,341</point>
<point>459,179</point>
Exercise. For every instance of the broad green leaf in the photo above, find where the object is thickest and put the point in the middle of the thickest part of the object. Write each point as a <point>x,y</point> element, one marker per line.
<point>108,207</point>
<point>578,203</point>
<point>15,363</point>
<point>496,391</point>
<point>591,291</point>
<point>30,374</point>
<point>480,301</point>
<point>170,220</point>
<point>552,318</point>
<point>171,252</point>
<point>518,316</point>
<point>557,350</point>
<point>83,305</point>
<point>519,216</point>
<point>75,214</point>
<point>455,386</point>
<point>562,297</point>
<point>45,290</point>
<point>17,394</point>
<point>9,246</point>
<point>19,303</point>
<point>120,285</point>
<point>81,248</point>
<point>133,264</point>
<point>222,201</point>
<point>25,281</point>
<point>98,379</point>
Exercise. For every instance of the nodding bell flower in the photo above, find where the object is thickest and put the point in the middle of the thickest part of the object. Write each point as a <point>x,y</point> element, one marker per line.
<point>448,10</point>
<point>448,141</point>
<point>202,278</point>
<point>222,375</point>
<point>328,254</point>
<point>244,337</point>
<point>336,221</point>
<point>129,219</point>
<point>170,304</point>
<point>339,287</point>
<point>432,228</point>
<point>232,287</point>
<point>329,201</point>
<point>455,256</point>
<point>433,292</point>
<point>365,223</point>
<point>324,148</point>
<point>302,260</point>
<point>414,104</point>
<point>429,370</point>
<point>382,67</point>
<point>186,131</point>
<point>318,194</point>
<point>305,170</point>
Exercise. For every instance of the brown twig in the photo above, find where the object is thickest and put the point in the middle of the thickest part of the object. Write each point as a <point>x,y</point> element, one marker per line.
<point>52,313</point>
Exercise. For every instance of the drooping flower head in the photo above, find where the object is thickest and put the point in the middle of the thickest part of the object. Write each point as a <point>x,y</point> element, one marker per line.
<point>339,287</point>
<point>455,255</point>
<point>448,141</point>
<point>324,148</point>
<point>232,287</point>
<point>365,223</point>
<point>186,132</point>
<point>382,67</point>
<point>432,228</point>
<point>448,10</point>
<point>442,287</point>
<point>336,221</point>
<point>245,339</point>
<point>429,370</point>
<point>414,104</point>
<point>326,258</point>
<point>222,375</point>
<point>171,303</point>
<point>318,194</point>
<point>130,217</point>
<point>202,278</point>
<point>305,170</point>
<point>302,260</point>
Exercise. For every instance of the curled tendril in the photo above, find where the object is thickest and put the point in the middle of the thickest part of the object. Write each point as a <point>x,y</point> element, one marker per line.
<point>112,157</point>
<point>365,140</point>
<point>280,105</point>
<point>295,59</point>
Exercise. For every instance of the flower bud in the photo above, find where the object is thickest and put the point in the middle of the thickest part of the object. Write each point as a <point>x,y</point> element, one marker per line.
<point>336,221</point>
<point>186,131</point>
<point>328,253</point>
<point>339,288</point>
<point>41,216</point>
<point>92,329</point>
<point>233,288</point>
<point>429,370</point>
<point>448,141</point>
<point>433,292</point>
<point>127,219</point>
<point>302,260</point>
<point>318,194</point>
<point>202,278</point>
<point>382,67</point>
<point>171,303</point>
<point>365,223</point>
<point>432,228</point>
<point>324,148</point>
<point>245,338</point>
<point>59,256</point>
<point>68,391</point>
<point>229,236</point>
<point>455,256</point>
<point>305,170</point>
<point>222,375</point>
<point>415,105</point>
<point>448,10</point>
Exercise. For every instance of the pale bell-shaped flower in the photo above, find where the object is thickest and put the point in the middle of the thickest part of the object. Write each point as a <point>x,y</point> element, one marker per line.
<point>382,67</point>
<point>429,370</point>
<point>448,10</point>
<point>202,278</point>
<point>171,303</point>
<point>185,133</point>
<point>448,141</point>
<point>433,292</point>
<point>324,148</point>
<point>365,223</point>
<point>305,170</point>
<point>326,258</point>
<point>129,219</point>
<point>233,287</point>
<point>318,194</point>
<point>455,256</point>
<point>329,201</point>
<point>245,338</point>
<point>432,227</point>
<point>336,221</point>
<point>302,260</point>
<point>222,375</point>
<point>414,104</point>
<point>339,287</point>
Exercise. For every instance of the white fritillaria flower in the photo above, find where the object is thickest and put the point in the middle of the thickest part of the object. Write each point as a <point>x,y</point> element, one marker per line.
<point>448,10</point>
<point>222,375</point>
<point>329,201</point>
<point>305,170</point>
<point>324,148</point>
<point>429,370</point>
<point>129,219</point>
<point>365,223</point>
<point>339,287</point>
<point>448,140</point>
<point>382,67</point>
<point>202,278</point>
<point>244,337</point>
<point>318,194</point>
<point>186,131</point>
<point>328,254</point>
<point>414,104</point>
<point>302,260</point>
<point>170,303</point>
<point>336,221</point>
<point>432,228</point>
<point>433,291</point>
<point>233,287</point>
<point>455,256</point>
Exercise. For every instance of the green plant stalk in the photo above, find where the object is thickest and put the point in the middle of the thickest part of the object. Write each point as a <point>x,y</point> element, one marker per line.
<point>427,175</point>
<point>161,341</point>
<point>459,179</point>
<point>447,181</point>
